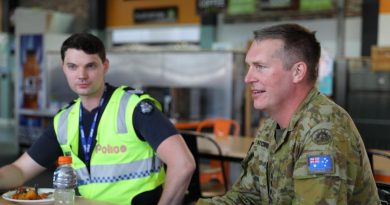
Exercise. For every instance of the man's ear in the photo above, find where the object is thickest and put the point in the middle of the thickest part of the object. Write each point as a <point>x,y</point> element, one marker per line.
<point>106,65</point>
<point>299,71</point>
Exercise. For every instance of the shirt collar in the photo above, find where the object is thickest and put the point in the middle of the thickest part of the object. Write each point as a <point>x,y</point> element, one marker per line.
<point>303,107</point>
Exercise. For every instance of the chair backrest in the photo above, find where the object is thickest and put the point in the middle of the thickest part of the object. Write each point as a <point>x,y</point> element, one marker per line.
<point>194,192</point>
<point>190,137</point>
<point>384,193</point>
<point>221,126</point>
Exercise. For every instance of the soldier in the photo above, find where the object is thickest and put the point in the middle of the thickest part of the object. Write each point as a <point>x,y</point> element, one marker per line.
<point>309,150</point>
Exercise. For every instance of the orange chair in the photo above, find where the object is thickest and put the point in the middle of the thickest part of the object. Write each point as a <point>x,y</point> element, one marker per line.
<point>221,127</point>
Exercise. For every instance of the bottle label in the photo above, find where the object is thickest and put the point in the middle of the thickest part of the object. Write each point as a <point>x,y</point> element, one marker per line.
<point>31,85</point>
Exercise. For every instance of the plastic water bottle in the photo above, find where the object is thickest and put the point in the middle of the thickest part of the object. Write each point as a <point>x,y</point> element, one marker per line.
<point>64,182</point>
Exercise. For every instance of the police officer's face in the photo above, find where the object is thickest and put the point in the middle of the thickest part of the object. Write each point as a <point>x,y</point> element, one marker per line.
<point>84,72</point>
<point>270,83</point>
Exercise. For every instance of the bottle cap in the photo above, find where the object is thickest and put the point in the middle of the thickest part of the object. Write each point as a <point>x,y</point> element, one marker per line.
<point>64,160</point>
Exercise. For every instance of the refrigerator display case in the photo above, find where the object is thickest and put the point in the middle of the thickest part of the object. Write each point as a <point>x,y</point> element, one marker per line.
<point>365,94</point>
<point>203,83</point>
<point>191,85</point>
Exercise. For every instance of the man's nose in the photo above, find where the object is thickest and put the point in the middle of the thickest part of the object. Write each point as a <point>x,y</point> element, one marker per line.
<point>248,77</point>
<point>81,73</point>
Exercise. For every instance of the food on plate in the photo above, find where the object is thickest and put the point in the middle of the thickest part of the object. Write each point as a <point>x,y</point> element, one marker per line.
<point>29,193</point>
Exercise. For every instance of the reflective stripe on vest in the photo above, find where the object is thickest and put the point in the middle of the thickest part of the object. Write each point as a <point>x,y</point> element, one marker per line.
<point>118,172</point>
<point>63,126</point>
<point>121,119</point>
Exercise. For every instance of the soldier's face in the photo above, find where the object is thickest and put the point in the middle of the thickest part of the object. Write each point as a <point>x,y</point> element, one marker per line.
<point>269,81</point>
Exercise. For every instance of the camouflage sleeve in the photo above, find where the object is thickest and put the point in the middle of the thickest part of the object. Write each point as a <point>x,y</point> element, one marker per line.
<point>328,170</point>
<point>243,190</point>
<point>320,173</point>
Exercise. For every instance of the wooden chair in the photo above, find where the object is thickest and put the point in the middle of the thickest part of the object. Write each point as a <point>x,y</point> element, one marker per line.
<point>221,127</point>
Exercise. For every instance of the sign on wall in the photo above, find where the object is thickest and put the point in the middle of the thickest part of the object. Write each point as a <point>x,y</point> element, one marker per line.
<point>153,15</point>
<point>210,6</point>
<point>122,14</point>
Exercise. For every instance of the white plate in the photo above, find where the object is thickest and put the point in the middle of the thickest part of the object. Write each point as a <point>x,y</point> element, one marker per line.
<point>50,199</point>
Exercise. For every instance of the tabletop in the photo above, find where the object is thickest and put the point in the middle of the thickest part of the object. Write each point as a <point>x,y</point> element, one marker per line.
<point>233,148</point>
<point>78,201</point>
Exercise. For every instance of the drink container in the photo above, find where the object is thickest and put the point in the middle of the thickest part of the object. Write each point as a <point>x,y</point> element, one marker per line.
<point>64,182</point>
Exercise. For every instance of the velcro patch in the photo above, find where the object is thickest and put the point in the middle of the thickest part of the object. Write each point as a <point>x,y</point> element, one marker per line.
<point>322,136</point>
<point>320,164</point>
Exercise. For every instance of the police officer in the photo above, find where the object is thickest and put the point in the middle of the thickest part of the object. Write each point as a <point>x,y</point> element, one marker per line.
<point>117,136</point>
<point>309,150</point>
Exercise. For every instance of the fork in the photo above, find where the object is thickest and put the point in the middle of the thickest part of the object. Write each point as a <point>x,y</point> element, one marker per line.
<point>36,188</point>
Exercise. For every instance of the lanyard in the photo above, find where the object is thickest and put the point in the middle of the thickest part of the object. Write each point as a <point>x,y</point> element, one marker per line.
<point>87,143</point>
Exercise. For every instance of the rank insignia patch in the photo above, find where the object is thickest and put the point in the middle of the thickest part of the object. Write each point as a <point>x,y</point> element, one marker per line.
<point>320,164</point>
<point>146,107</point>
<point>264,144</point>
<point>322,136</point>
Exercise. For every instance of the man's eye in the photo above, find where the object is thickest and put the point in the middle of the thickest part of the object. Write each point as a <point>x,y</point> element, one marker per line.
<point>91,66</point>
<point>259,67</point>
<point>72,67</point>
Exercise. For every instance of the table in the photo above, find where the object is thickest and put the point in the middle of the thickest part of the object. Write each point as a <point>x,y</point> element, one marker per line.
<point>233,148</point>
<point>379,160</point>
<point>78,201</point>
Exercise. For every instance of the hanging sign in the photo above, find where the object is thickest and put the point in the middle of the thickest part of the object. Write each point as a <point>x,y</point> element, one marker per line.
<point>210,6</point>
<point>153,15</point>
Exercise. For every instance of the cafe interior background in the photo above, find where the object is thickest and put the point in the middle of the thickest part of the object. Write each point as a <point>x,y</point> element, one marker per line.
<point>190,56</point>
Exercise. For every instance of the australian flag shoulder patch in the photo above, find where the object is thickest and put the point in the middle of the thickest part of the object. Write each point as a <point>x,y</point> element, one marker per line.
<point>320,164</point>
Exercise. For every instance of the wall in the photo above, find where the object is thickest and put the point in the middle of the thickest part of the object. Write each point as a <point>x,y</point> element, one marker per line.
<point>239,34</point>
<point>383,27</point>
<point>236,34</point>
<point>1,16</point>
<point>77,8</point>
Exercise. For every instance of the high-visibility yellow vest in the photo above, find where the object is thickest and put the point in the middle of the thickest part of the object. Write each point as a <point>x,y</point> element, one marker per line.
<point>122,166</point>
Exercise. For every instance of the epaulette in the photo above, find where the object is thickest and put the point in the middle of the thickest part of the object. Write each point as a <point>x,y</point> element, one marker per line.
<point>133,91</point>
<point>67,106</point>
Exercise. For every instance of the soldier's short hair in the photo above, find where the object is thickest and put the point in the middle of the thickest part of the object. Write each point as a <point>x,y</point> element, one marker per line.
<point>300,44</point>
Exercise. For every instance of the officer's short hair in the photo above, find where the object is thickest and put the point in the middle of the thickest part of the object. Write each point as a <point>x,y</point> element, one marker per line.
<point>86,42</point>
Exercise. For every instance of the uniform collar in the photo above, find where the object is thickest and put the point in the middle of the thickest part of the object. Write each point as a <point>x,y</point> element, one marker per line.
<point>303,107</point>
<point>294,120</point>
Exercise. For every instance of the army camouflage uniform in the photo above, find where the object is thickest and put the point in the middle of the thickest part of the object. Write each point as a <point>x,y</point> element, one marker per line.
<point>320,159</point>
